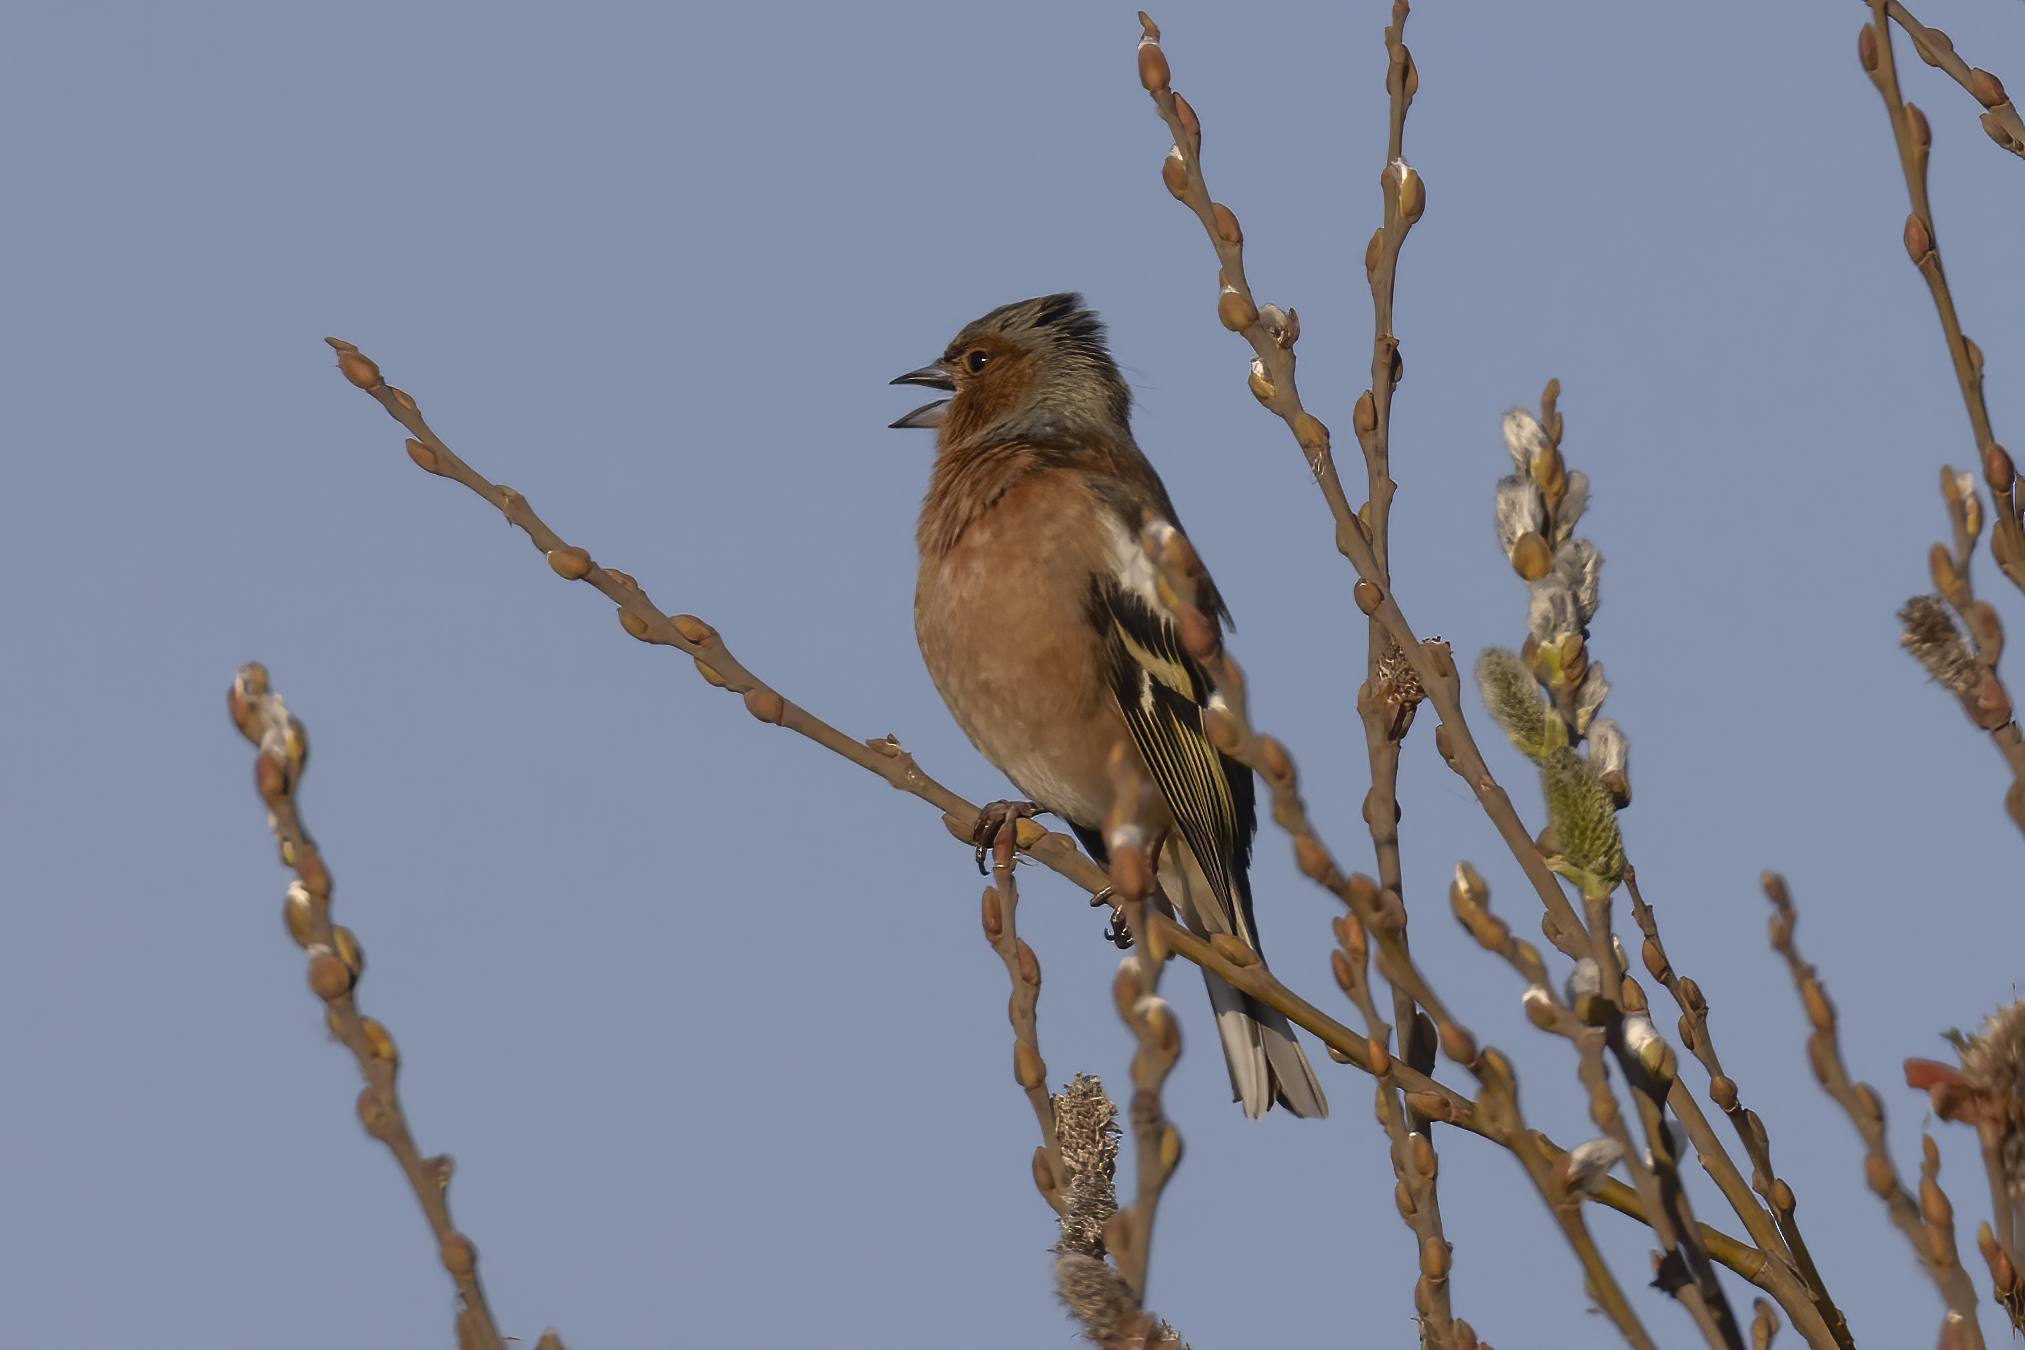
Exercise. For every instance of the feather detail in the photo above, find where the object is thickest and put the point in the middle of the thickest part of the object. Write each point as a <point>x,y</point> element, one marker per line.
<point>1265,1061</point>
<point>1161,692</point>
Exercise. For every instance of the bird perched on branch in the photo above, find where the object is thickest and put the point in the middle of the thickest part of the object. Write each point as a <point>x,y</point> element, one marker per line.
<point>1038,617</point>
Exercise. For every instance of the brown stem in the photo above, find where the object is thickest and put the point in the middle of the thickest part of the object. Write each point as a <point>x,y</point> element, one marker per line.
<point>1382,915</point>
<point>1859,1101</point>
<point>1778,1230</point>
<point>1386,710</point>
<point>1156,1143</point>
<point>335,964</point>
<point>1274,385</point>
<point>1414,1161</point>
<point>1912,155</point>
<point>1652,1168</point>
<point>885,757</point>
<point>1404,196</point>
<point>1912,135</point>
<point>1023,968</point>
<point>1135,854</point>
<point>2001,120</point>
<point>1538,1157</point>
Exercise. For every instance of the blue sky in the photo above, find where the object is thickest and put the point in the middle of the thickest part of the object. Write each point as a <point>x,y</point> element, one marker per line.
<point>702,1011</point>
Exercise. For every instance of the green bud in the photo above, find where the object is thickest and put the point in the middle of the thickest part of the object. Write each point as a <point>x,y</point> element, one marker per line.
<point>1585,822</point>
<point>1516,704</point>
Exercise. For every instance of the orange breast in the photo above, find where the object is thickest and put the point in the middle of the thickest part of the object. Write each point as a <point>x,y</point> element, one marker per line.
<point>1003,626</point>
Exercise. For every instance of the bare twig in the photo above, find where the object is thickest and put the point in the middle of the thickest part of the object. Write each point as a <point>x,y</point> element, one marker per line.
<point>1938,1214</point>
<point>1542,1163</point>
<point>1389,695</point>
<point>1414,1161</point>
<point>1650,1068</point>
<point>1935,48</point>
<point>1779,1230</point>
<point>1156,1144</point>
<point>1914,138</point>
<point>1380,913</point>
<point>1538,507</point>
<point>885,757</point>
<point>1930,1232</point>
<point>637,614</point>
<point>1023,968</point>
<point>335,964</point>
<point>1557,1177</point>
<point>1962,657</point>
<point>1272,334</point>
<point>1988,706</point>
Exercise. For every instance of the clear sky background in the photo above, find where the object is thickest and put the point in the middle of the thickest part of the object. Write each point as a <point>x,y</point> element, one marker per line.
<point>703,1011</point>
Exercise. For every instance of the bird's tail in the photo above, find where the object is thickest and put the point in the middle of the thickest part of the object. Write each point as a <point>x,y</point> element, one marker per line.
<point>1266,1063</point>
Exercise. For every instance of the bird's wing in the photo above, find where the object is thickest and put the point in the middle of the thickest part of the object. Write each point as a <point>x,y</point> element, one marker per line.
<point>1161,691</point>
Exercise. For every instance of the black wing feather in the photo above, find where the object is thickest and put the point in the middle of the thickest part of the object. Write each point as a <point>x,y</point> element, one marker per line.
<point>1162,691</point>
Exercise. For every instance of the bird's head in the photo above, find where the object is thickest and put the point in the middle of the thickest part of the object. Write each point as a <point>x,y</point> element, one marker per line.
<point>1036,369</point>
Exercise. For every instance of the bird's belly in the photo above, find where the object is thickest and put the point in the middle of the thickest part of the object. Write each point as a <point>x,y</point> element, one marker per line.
<point>1017,663</point>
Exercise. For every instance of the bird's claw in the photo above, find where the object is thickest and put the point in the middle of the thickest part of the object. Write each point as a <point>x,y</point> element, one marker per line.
<point>994,818</point>
<point>1119,933</point>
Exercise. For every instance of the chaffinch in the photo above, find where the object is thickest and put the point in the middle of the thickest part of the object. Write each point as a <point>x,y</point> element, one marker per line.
<point>1039,620</point>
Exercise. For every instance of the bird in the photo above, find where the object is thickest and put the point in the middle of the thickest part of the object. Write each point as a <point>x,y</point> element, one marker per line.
<point>1041,627</point>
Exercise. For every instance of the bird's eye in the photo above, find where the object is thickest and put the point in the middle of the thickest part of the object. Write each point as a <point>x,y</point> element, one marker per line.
<point>976,361</point>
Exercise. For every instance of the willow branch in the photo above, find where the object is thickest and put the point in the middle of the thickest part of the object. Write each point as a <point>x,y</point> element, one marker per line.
<point>1389,696</point>
<point>1650,1068</point>
<point>1415,1163</point>
<point>885,757</point>
<point>2001,119</point>
<point>1272,334</point>
<point>336,962</point>
<point>1023,968</point>
<point>1937,1212</point>
<point>1914,139</point>
<point>1544,1167</point>
<point>1778,1230</point>
<point>882,756</point>
<point>1920,1222</point>
<point>1962,656</point>
<point>1538,509</point>
<point>1134,851</point>
<point>1374,910</point>
<point>1404,197</point>
<point>1381,914</point>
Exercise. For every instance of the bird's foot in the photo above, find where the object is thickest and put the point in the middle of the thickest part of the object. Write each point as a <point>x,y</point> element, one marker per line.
<point>1116,932</point>
<point>1119,933</point>
<point>994,818</point>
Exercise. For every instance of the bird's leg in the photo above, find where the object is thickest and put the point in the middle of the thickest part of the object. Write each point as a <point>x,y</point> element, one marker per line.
<point>995,817</point>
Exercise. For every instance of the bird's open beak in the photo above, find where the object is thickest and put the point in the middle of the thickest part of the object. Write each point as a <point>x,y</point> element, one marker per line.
<point>923,417</point>
<point>936,376</point>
